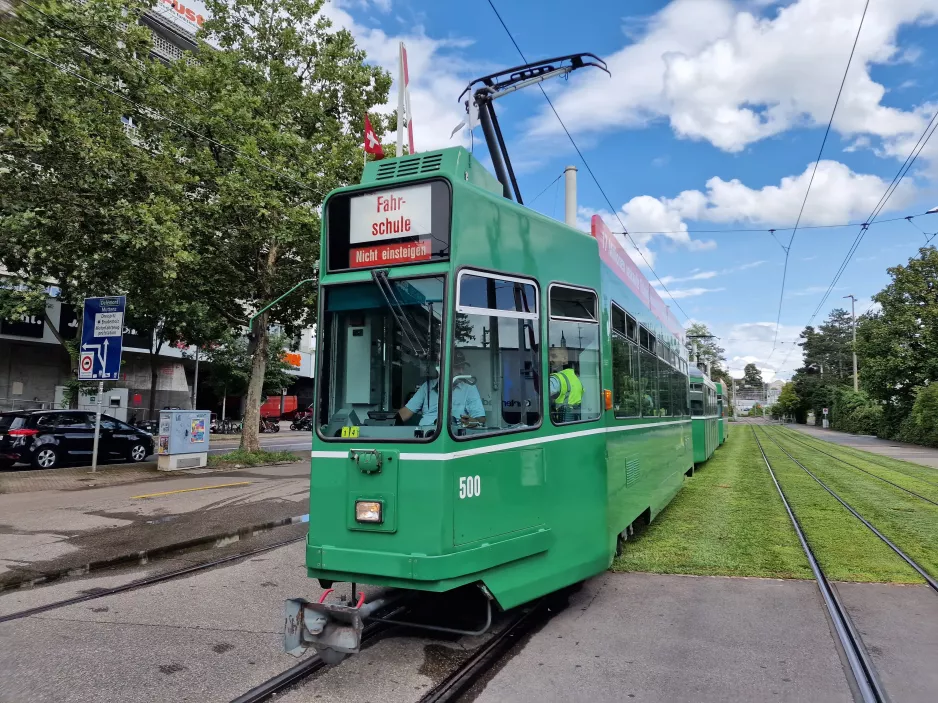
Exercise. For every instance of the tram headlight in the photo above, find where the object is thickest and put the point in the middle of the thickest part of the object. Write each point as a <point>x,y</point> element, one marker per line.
<point>368,511</point>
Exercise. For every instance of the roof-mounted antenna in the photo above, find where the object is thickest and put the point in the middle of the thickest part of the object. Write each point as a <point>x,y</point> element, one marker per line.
<point>490,88</point>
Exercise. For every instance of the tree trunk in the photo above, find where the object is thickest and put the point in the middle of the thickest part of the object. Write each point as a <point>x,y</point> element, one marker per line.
<point>250,440</point>
<point>155,345</point>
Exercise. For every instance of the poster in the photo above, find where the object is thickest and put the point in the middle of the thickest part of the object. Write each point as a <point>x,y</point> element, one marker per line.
<point>198,430</point>
<point>164,445</point>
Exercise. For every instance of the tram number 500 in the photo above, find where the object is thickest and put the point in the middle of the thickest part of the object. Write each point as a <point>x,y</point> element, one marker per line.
<point>469,486</point>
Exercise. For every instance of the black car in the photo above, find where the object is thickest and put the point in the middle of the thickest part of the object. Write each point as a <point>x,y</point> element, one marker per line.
<point>49,438</point>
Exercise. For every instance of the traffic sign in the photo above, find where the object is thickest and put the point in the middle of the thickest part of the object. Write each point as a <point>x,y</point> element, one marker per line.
<point>825,411</point>
<point>102,334</point>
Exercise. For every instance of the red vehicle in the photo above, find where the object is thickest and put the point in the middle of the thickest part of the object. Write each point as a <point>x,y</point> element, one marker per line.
<point>271,407</point>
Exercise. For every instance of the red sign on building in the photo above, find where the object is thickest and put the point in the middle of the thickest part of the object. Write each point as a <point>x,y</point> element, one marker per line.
<point>387,254</point>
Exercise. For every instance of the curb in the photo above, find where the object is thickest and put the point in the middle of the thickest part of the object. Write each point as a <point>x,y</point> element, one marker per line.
<point>145,556</point>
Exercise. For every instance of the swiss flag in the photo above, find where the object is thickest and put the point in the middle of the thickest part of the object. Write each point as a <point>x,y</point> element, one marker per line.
<point>372,145</point>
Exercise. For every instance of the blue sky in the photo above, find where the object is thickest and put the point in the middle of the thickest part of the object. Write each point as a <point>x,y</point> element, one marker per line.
<point>712,120</point>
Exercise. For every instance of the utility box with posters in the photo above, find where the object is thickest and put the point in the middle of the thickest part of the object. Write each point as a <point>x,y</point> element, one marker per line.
<point>183,439</point>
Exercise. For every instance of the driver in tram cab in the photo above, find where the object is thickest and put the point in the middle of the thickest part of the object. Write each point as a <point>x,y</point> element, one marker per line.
<point>566,390</point>
<point>467,403</point>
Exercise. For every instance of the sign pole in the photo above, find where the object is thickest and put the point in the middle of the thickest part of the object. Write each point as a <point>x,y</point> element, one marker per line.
<point>97,429</point>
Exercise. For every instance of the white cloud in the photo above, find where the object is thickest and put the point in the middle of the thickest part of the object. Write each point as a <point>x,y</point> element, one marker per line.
<point>646,218</point>
<point>751,343</point>
<point>690,292</point>
<point>734,76</point>
<point>437,77</point>
<point>810,290</point>
<point>837,195</point>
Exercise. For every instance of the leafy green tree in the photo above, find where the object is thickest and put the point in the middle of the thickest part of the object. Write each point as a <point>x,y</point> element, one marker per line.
<point>88,201</point>
<point>708,348</point>
<point>286,95</point>
<point>897,346</point>
<point>230,366</point>
<point>752,377</point>
<point>788,401</point>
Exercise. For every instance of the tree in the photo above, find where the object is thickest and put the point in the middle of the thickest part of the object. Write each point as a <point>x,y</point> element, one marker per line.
<point>752,377</point>
<point>708,350</point>
<point>896,346</point>
<point>287,95</point>
<point>788,401</point>
<point>89,201</point>
<point>231,365</point>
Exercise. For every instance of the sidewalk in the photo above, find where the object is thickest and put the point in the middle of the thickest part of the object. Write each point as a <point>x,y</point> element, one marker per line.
<point>926,456</point>
<point>48,532</point>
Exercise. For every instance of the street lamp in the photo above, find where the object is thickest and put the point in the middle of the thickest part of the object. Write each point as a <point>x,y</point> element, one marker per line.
<point>853,314</point>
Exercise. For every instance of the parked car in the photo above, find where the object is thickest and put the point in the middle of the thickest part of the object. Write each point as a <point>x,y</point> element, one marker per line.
<point>48,438</point>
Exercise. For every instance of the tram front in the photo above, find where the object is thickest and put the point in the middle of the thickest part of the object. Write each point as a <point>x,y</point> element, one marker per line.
<point>378,513</point>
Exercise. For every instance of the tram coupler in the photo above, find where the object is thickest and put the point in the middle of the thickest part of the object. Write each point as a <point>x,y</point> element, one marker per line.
<point>332,628</point>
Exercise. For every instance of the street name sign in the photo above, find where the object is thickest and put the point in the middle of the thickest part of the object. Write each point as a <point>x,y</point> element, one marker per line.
<point>102,334</point>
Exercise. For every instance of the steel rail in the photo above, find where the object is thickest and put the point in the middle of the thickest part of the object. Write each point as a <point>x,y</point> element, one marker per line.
<point>861,668</point>
<point>470,671</point>
<point>909,560</point>
<point>149,581</point>
<point>852,453</point>
<point>842,461</point>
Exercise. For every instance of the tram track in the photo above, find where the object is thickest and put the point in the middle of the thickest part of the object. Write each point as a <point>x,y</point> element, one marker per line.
<point>866,681</point>
<point>853,452</point>
<point>789,436</point>
<point>148,581</point>
<point>929,579</point>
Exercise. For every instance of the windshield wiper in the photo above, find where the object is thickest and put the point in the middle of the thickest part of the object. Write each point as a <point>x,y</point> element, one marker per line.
<point>380,278</point>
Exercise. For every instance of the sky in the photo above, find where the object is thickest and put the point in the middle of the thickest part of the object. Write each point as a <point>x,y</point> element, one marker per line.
<point>710,123</point>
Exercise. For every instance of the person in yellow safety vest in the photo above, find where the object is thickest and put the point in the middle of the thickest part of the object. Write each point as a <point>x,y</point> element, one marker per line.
<point>566,390</point>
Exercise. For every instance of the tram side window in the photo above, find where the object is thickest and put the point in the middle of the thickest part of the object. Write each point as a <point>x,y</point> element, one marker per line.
<point>649,383</point>
<point>496,353</point>
<point>626,400</point>
<point>574,376</point>
<point>696,399</point>
<point>664,389</point>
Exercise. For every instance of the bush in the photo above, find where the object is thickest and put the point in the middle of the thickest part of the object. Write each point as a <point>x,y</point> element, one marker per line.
<point>855,412</point>
<point>921,425</point>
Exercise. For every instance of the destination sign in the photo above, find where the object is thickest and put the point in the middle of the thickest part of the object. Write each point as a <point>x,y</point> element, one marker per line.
<point>390,214</point>
<point>389,225</point>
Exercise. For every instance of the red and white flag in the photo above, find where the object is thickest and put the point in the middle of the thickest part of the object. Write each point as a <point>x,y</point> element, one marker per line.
<point>404,118</point>
<point>372,145</point>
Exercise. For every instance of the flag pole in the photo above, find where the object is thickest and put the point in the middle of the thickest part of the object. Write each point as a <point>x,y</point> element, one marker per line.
<point>401,88</point>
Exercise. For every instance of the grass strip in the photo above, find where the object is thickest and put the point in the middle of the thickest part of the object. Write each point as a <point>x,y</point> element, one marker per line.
<point>919,472</point>
<point>239,458</point>
<point>845,548</point>
<point>828,451</point>
<point>727,521</point>
<point>911,523</point>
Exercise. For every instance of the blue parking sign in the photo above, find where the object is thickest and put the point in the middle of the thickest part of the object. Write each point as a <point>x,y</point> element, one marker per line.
<point>102,335</point>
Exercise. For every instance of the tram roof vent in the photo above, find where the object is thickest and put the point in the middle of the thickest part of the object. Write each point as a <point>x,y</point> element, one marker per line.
<point>416,165</point>
<point>455,162</point>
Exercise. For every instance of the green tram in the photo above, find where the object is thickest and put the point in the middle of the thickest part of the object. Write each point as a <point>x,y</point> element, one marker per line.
<point>463,312</point>
<point>722,412</point>
<point>704,414</point>
<point>499,397</point>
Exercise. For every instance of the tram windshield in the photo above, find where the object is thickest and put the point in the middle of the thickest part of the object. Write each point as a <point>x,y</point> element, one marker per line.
<point>381,344</point>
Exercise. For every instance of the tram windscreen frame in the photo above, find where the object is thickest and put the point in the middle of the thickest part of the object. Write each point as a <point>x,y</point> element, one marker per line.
<point>377,353</point>
<point>369,246</point>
